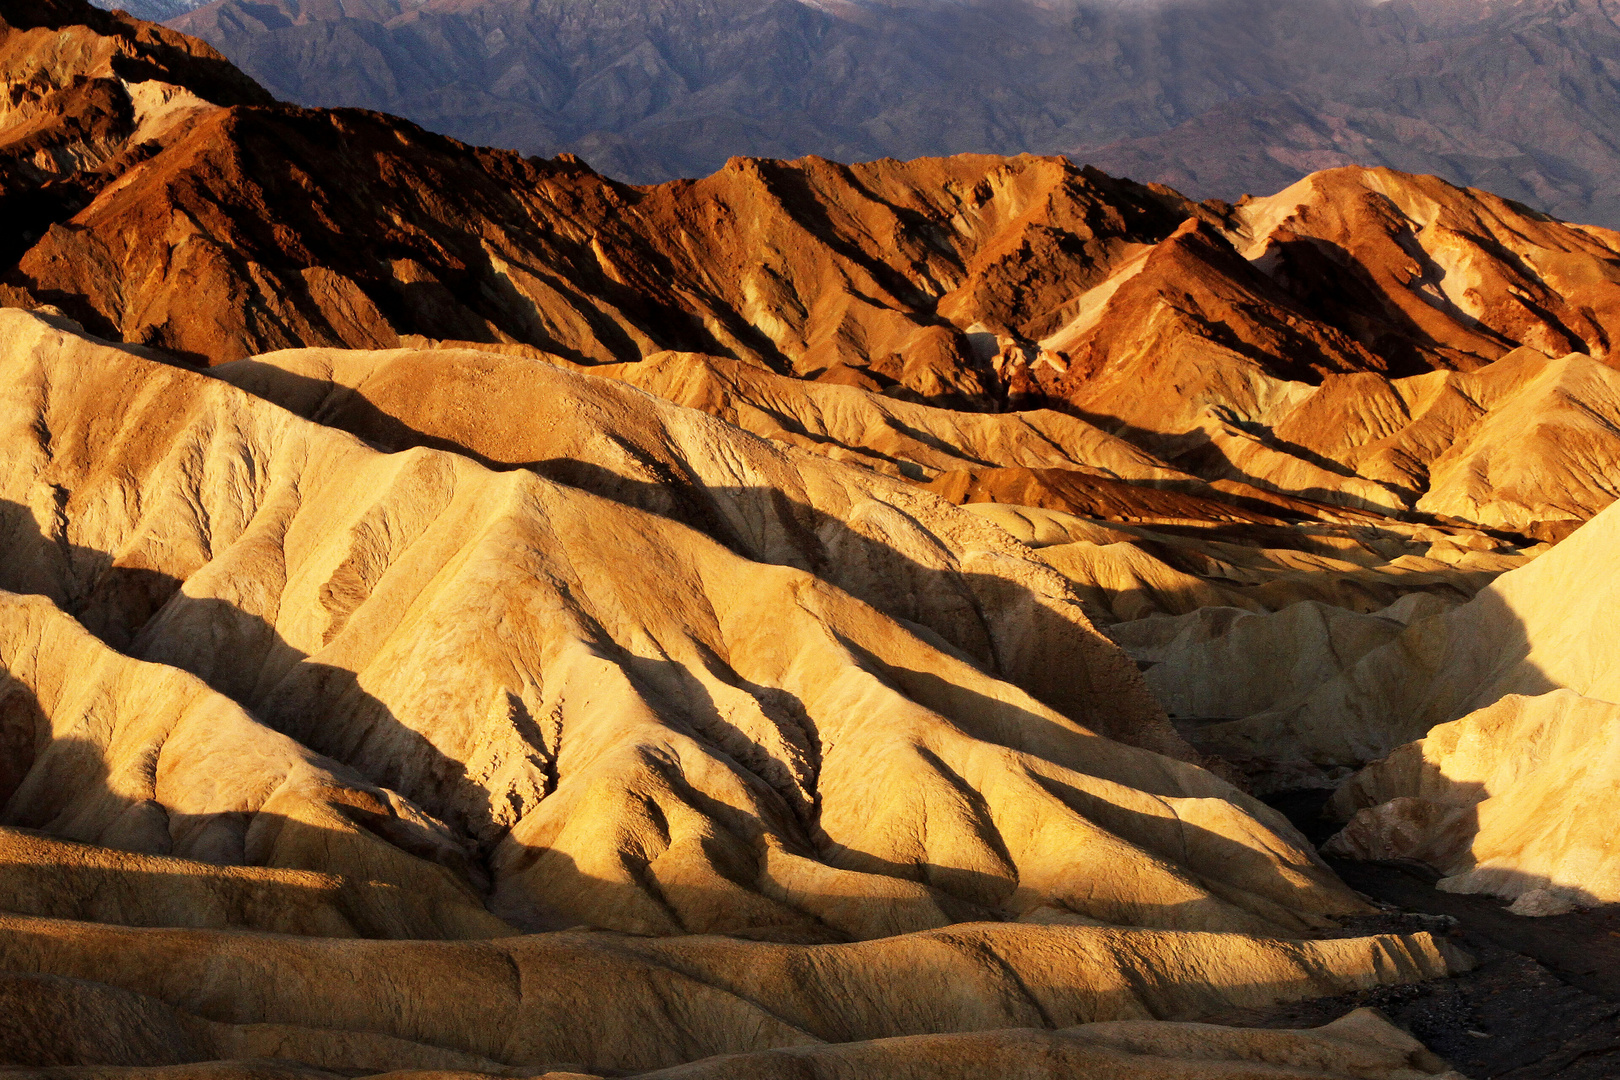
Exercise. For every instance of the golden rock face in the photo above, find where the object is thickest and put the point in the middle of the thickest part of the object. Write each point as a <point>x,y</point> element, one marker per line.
<point>406,695</point>
<point>462,614</point>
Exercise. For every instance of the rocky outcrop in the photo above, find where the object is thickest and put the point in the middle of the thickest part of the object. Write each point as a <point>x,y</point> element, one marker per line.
<point>1539,628</point>
<point>88,95</point>
<point>1510,800</point>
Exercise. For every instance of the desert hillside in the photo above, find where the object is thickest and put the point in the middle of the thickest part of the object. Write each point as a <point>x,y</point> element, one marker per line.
<point>464,615</point>
<point>427,698</point>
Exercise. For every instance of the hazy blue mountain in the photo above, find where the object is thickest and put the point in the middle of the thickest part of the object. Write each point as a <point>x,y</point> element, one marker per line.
<point>1215,96</point>
<point>153,10</point>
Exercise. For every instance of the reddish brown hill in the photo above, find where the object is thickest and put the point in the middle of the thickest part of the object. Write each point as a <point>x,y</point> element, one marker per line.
<point>914,274</point>
<point>1431,275</point>
<point>86,90</point>
<point>212,225</point>
<point>804,267</point>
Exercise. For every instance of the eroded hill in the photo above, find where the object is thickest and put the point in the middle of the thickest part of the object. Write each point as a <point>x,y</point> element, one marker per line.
<point>816,617</point>
<point>1216,338</point>
<point>571,710</point>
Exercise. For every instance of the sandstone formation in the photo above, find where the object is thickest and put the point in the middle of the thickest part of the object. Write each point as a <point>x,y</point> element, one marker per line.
<point>584,748</point>
<point>620,757</point>
<point>1539,628</point>
<point>1462,275</point>
<point>1355,276</point>
<point>900,438</point>
<point>1510,800</point>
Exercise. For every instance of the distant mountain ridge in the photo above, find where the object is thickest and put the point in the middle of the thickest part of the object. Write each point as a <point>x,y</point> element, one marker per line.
<point>1216,97</point>
<point>153,10</point>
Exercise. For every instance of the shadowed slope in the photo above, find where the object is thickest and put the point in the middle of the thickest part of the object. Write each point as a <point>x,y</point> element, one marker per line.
<point>142,758</point>
<point>1539,628</point>
<point>1509,800</point>
<point>638,727</point>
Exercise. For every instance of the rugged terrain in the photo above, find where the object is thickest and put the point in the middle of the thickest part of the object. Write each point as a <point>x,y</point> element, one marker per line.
<point>464,613</point>
<point>1217,97</point>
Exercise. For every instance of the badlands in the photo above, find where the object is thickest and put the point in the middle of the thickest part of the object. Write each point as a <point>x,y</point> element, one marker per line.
<point>463,615</point>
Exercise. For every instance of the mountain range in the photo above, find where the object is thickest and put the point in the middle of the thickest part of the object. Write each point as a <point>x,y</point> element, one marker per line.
<point>1215,97</point>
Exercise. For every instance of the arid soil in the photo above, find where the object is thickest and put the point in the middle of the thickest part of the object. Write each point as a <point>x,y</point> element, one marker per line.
<point>463,614</point>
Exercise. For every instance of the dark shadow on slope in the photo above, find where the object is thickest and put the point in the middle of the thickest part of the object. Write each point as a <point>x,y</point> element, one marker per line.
<point>117,879</point>
<point>1197,454</point>
<point>1318,740</point>
<point>125,604</point>
<point>1583,947</point>
<point>1329,282</point>
<point>1201,457</point>
<point>231,650</point>
<point>49,1022</point>
<point>764,525</point>
<point>1540,1005</point>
